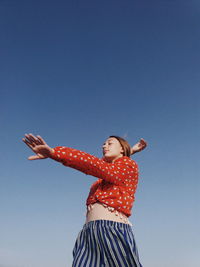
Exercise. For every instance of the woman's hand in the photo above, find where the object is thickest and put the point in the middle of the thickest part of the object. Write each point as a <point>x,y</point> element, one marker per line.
<point>138,146</point>
<point>38,146</point>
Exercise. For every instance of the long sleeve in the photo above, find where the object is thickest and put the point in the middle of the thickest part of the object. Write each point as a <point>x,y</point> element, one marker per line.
<point>120,172</point>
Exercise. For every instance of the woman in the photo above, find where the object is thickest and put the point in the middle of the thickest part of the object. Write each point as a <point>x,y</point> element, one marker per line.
<point>106,238</point>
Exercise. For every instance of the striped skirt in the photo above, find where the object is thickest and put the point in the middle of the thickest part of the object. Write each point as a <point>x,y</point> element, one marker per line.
<point>104,243</point>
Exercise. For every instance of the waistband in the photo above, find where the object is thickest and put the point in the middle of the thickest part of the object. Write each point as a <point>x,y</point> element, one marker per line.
<point>107,223</point>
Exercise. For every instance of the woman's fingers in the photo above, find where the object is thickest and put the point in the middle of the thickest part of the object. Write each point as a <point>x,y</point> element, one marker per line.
<point>35,157</point>
<point>29,139</point>
<point>143,142</point>
<point>29,144</point>
<point>41,140</point>
<point>139,146</point>
<point>34,139</point>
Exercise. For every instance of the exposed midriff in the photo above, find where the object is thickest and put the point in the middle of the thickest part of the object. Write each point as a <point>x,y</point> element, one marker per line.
<point>99,211</point>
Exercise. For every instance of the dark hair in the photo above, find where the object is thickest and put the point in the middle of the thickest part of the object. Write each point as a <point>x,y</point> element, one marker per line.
<point>124,144</point>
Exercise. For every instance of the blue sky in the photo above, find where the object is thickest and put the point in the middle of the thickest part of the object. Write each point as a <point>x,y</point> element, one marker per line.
<point>76,72</point>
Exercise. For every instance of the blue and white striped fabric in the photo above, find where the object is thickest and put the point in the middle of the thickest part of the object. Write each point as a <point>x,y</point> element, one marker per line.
<point>104,243</point>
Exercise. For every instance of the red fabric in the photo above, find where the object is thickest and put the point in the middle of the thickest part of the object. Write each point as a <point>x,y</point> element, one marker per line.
<point>117,181</point>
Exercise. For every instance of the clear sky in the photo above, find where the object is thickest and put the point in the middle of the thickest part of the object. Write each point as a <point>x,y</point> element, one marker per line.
<point>76,72</point>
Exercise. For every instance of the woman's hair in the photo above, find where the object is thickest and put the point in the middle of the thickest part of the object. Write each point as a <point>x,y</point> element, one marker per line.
<point>125,145</point>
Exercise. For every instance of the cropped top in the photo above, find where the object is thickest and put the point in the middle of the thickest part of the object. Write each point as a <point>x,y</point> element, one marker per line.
<point>117,181</point>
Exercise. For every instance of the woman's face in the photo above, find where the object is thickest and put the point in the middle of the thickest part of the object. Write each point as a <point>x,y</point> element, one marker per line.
<point>112,149</point>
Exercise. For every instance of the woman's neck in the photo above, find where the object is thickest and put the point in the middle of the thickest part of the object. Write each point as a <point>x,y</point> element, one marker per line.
<point>112,160</point>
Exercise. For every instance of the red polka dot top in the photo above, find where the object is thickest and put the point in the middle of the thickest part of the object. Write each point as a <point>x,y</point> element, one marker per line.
<point>117,181</point>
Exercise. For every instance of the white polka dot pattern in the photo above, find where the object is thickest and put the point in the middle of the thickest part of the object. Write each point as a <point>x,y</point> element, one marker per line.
<point>117,181</point>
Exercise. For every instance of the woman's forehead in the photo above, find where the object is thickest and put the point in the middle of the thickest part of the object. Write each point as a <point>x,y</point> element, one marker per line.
<point>111,139</point>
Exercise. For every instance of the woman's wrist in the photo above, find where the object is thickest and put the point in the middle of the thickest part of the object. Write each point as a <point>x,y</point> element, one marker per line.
<point>133,151</point>
<point>52,153</point>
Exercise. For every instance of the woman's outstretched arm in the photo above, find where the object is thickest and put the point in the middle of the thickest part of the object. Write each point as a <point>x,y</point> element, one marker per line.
<point>112,172</point>
<point>38,146</point>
